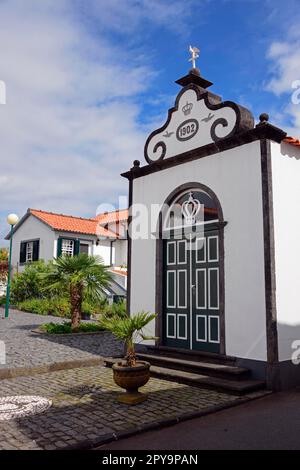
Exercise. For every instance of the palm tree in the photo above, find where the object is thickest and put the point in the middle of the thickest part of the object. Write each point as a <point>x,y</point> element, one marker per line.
<point>80,276</point>
<point>129,330</point>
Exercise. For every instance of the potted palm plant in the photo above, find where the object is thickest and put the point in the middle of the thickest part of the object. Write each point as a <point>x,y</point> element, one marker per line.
<point>79,276</point>
<point>130,373</point>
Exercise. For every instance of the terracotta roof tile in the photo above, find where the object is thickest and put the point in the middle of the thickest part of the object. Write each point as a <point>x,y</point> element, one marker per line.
<point>69,223</point>
<point>112,217</point>
<point>122,272</point>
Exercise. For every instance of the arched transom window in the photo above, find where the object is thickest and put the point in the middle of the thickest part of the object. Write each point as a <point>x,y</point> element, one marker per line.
<point>190,209</point>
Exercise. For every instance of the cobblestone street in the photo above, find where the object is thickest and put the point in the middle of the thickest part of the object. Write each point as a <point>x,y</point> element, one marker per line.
<point>85,410</point>
<point>27,349</point>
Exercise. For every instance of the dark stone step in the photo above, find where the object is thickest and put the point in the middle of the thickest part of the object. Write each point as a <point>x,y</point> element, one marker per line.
<point>213,369</point>
<point>236,387</point>
<point>202,356</point>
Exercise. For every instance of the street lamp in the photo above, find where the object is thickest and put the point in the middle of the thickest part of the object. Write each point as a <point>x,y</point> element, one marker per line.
<point>12,220</point>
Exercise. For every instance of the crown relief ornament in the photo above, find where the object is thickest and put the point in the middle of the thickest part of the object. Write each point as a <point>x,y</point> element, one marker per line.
<point>190,209</point>
<point>187,109</point>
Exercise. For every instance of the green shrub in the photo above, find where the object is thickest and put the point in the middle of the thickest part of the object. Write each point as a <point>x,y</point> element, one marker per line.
<point>58,307</point>
<point>4,254</point>
<point>65,328</point>
<point>32,305</point>
<point>89,307</point>
<point>115,310</point>
<point>102,307</point>
<point>3,270</point>
<point>29,294</point>
<point>29,284</point>
<point>3,300</point>
<point>119,309</point>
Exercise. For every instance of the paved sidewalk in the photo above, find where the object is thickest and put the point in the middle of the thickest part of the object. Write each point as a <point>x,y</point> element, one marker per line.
<point>85,411</point>
<point>27,349</point>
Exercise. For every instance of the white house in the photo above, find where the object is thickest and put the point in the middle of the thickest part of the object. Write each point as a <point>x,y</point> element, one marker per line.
<point>46,235</point>
<point>221,265</point>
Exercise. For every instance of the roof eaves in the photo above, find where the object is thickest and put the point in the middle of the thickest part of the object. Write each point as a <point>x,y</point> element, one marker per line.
<point>74,231</point>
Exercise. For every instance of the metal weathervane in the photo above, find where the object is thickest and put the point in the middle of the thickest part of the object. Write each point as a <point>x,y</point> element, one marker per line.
<point>195,55</point>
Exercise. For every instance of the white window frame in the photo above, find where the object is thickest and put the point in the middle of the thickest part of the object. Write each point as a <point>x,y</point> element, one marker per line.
<point>67,251</point>
<point>29,252</point>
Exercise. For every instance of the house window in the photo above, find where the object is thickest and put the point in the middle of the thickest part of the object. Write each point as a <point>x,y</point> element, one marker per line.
<point>67,247</point>
<point>84,248</point>
<point>29,251</point>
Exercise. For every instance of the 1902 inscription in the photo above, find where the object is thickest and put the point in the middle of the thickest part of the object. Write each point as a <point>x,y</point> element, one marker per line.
<point>187,130</point>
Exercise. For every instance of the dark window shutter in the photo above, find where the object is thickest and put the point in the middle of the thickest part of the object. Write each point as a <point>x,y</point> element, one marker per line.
<point>23,252</point>
<point>36,250</point>
<point>76,247</point>
<point>59,245</point>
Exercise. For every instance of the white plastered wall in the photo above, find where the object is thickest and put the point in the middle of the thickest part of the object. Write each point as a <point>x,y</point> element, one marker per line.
<point>286,203</point>
<point>33,229</point>
<point>121,252</point>
<point>235,177</point>
<point>103,249</point>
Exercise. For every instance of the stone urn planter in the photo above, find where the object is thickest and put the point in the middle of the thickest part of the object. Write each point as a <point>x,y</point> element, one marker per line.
<point>131,379</point>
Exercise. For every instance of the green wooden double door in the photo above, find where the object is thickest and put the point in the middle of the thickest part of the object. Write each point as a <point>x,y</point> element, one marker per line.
<point>191,317</point>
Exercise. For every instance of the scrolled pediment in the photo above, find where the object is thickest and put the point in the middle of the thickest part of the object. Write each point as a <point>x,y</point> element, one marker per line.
<point>195,122</point>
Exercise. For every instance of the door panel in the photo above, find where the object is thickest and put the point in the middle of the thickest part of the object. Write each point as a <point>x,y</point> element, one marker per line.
<point>176,324</point>
<point>192,293</point>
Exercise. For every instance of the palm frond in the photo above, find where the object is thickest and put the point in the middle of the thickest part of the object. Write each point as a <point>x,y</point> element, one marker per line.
<point>127,328</point>
<point>81,269</point>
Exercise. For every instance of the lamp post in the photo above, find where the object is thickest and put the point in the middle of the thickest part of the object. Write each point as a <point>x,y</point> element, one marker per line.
<point>12,220</point>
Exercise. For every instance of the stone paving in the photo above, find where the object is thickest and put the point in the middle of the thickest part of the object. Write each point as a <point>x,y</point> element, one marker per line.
<point>85,408</point>
<point>27,349</point>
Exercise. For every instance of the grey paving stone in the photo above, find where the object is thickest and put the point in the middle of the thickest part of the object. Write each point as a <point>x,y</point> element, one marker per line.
<point>27,349</point>
<point>75,419</point>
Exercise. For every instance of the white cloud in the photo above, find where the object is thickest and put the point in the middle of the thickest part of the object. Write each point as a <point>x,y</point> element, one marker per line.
<point>285,71</point>
<point>71,122</point>
<point>286,59</point>
<point>126,15</point>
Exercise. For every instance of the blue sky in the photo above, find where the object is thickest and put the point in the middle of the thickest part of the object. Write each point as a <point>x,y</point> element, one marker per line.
<point>87,81</point>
